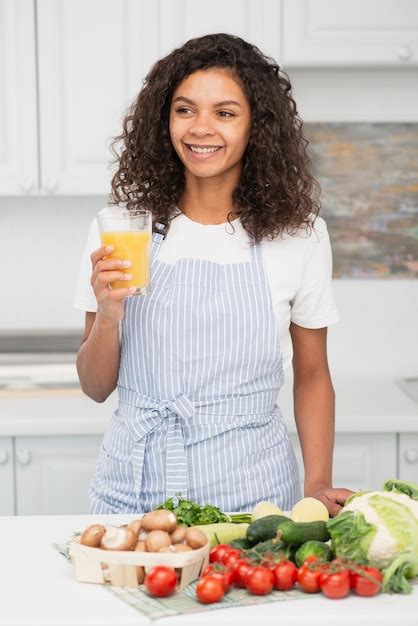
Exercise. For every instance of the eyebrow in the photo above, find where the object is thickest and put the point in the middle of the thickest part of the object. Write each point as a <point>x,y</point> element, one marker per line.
<point>218,104</point>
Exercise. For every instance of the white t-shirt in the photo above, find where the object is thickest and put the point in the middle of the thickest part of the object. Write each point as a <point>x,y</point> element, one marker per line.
<point>298,268</point>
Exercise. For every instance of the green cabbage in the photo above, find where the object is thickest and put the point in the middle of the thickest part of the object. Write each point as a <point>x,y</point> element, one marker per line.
<point>380,528</point>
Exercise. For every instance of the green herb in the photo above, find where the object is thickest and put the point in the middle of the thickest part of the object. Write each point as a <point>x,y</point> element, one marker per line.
<point>190,513</point>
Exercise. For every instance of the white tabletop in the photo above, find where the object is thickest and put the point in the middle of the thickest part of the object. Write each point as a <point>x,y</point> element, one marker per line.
<point>38,588</point>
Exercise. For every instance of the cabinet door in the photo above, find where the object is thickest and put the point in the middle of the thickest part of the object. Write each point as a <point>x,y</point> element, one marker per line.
<point>361,461</point>
<point>7,487</point>
<point>336,32</point>
<point>408,457</point>
<point>53,474</point>
<point>18,124</point>
<point>93,56</point>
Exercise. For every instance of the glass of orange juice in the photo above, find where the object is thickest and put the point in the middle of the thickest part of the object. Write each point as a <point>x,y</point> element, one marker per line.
<point>130,232</point>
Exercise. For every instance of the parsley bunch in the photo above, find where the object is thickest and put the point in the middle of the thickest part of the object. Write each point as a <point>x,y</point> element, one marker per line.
<point>190,513</point>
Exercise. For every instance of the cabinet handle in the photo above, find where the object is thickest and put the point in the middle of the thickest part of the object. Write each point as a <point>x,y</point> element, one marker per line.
<point>23,457</point>
<point>404,53</point>
<point>51,185</point>
<point>27,185</point>
<point>411,455</point>
<point>4,457</point>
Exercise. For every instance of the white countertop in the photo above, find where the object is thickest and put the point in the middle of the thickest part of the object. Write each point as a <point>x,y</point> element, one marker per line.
<point>38,587</point>
<point>362,405</point>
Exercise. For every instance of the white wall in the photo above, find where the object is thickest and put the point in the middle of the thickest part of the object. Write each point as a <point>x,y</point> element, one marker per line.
<point>42,239</point>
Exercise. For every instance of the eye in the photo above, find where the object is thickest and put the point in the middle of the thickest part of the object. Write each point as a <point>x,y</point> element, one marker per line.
<point>226,114</point>
<point>182,110</point>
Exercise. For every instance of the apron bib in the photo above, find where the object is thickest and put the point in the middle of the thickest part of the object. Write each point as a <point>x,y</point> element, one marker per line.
<point>200,372</point>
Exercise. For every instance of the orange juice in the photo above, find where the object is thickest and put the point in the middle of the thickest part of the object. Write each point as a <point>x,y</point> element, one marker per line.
<point>132,246</point>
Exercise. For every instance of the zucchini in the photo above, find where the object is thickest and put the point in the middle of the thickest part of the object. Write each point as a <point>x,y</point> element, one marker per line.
<point>300,532</point>
<point>313,547</point>
<point>265,528</point>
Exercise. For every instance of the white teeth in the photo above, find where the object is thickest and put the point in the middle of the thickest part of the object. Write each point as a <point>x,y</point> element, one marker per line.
<point>203,150</point>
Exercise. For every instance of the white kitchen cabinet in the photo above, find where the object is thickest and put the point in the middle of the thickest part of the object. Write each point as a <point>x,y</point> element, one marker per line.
<point>93,56</point>
<point>7,484</point>
<point>359,32</point>
<point>361,461</point>
<point>53,474</point>
<point>18,124</point>
<point>408,457</point>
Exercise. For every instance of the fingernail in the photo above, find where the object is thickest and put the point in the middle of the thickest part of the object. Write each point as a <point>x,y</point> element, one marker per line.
<point>128,276</point>
<point>132,289</point>
<point>110,248</point>
<point>126,263</point>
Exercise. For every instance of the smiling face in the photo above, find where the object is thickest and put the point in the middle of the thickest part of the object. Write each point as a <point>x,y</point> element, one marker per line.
<point>210,123</point>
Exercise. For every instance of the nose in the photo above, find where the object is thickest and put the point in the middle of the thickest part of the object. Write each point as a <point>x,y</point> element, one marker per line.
<point>201,126</point>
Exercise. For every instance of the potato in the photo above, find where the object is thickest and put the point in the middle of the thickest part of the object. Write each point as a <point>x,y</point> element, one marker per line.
<point>195,538</point>
<point>157,539</point>
<point>159,520</point>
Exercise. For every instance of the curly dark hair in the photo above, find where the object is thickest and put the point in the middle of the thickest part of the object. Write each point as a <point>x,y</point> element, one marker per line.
<point>276,190</point>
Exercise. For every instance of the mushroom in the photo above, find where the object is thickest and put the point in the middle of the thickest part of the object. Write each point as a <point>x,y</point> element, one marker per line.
<point>118,539</point>
<point>135,526</point>
<point>178,534</point>
<point>140,547</point>
<point>161,519</point>
<point>195,538</point>
<point>92,535</point>
<point>182,547</point>
<point>157,539</point>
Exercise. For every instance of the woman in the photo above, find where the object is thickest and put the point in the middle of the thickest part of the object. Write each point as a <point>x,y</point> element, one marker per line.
<point>240,275</point>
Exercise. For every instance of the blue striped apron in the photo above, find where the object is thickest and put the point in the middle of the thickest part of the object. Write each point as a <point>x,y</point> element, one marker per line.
<point>200,372</point>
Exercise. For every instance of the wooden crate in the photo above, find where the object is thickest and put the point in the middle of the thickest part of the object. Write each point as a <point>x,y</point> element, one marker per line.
<point>117,567</point>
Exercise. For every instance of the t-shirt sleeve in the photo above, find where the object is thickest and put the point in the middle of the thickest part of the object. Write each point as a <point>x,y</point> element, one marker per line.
<point>313,305</point>
<point>84,297</point>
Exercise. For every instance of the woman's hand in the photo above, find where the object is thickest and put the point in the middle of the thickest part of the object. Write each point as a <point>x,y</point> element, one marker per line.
<point>110,301</point>
<point>332,497</point>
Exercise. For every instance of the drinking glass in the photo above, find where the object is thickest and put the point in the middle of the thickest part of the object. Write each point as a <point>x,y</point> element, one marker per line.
<point>130,232</point>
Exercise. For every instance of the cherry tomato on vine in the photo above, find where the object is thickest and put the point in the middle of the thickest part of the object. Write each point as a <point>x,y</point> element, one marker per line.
<point>335,584</point>
<point>231,557</point>
<point>285,575</point>
<point>363,586</point>
<point>217,552</point>
<point>259,580</point>
<point>239,572</point>
<point>308,579</point>
<point>209,589</point>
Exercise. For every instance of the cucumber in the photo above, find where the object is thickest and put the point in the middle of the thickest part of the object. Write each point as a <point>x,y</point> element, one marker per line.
<point>265,528</point>
<point>313,547</point>
<point>241,544</point>
<point>300,532</point>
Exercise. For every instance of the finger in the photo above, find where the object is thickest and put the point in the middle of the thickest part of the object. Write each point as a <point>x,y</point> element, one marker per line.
<point>115,294</point>
<point>99,253</point>
<point>334,509</point>
<point>105,268</point>
<point>104,278</point>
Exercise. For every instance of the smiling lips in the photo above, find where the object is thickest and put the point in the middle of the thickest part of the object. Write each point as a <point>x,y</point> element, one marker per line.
<point>202,151</point>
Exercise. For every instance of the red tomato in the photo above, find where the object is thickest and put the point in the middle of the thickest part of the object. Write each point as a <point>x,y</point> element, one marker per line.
<point>259,580</point>
<point>285,575</point>
<point>221,572</point>
<point>231,557</point>
<point>217,553</point>
<point>161,581</point>
<point>362,586</point>
<point>335,585</point>
<point>308,579</point>
<point>240,571</point>
<point>209,589</point>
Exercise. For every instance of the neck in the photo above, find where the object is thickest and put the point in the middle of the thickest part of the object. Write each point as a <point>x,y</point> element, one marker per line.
<point>209,200</point>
